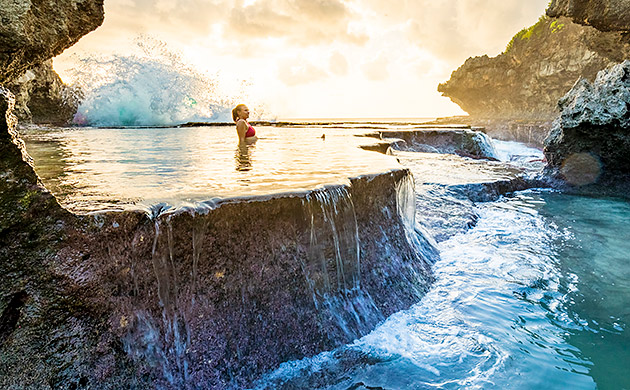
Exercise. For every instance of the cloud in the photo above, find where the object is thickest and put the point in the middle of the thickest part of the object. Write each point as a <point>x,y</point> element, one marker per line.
<point>300,22</point>
<point>456,29</point>
<point>452,30</point>
<point>184,18</point>
<point>376,69</point>
<point>338,64</point>
<point>299,71</point>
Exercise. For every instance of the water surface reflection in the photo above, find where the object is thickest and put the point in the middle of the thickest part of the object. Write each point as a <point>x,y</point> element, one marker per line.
<point>114,168</point>
<point>243,157</point>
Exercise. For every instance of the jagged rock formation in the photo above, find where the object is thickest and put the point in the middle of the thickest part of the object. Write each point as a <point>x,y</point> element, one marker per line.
<point>539,66</point>
<point>462,141</point>
<point>591,138</point>
<point>41,96</point>
<point>604,15</point>
<point>32,32</point>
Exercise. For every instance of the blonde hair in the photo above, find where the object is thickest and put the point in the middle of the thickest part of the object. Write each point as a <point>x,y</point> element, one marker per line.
<point>236,110</point>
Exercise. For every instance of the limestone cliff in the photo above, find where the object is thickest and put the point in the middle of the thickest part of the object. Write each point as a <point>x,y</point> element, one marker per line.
<point>41,96</point>
<point>32,31</point>
<point>539,66</point>
<point>591,138</point>
<point>605,15</point>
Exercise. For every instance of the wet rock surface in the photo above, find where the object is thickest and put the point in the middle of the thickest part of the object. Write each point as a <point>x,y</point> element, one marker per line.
<point>41,96</point>
<point>539,66</point>
<point>448,188</point>
<point>590,141</point>
<point>462,141</point>
<point>222,297</point>
<point>31,32</point>
<point>605,15</point>
<point>211,296</point>
<point>46,329</point>
<point>528,131</point>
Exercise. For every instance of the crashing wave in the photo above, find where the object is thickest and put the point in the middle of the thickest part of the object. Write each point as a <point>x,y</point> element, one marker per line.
<point>152,88</point>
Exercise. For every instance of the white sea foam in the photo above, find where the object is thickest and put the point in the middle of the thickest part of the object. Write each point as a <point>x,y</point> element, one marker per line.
<point>495,309</point>
<point>511,151</point>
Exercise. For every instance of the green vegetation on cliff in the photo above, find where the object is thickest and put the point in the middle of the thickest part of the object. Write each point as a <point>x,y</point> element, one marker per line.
<point>535,31</point>
<point>539,66</point>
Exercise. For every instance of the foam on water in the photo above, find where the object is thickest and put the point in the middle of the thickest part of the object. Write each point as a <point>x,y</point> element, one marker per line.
<point>511,151</point>
<point>530,297</point>
<point>486,145</point>
<point>486,323</point>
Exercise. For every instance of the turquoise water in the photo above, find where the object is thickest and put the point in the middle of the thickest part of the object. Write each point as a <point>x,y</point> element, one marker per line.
<point>535,296</point>
<point>594,264</point>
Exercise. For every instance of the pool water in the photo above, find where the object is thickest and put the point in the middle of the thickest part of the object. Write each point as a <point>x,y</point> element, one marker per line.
<point>534,295</point>
<point>91,169</point>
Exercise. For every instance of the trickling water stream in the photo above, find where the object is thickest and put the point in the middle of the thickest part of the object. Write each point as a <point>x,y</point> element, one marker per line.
<point>165,328</point>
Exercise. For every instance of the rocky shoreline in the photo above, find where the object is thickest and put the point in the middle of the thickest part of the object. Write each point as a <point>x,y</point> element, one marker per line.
<point>42,98</point>
<point>172,299</point>
<point>526,81</point>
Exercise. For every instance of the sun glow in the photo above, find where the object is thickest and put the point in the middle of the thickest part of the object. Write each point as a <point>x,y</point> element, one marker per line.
<point>341,58</point>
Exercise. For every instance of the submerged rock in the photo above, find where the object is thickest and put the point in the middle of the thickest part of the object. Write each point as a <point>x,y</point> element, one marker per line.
<point>539,66</point>
<point>591,138</point>
<point>604,15</point>
<point>462,141</point>
<point>41,96</point>
<point>31,32</point>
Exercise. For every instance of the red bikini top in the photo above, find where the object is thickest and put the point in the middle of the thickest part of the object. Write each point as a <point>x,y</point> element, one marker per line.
<point>250,131</point>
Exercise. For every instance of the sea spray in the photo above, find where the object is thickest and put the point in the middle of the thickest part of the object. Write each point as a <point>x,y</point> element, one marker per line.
<point>153,87</point>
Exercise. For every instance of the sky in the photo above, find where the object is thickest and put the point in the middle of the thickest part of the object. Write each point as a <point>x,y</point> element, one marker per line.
<point>317,58</point>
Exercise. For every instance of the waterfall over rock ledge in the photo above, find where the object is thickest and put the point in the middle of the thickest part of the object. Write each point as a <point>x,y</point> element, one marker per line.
<point>212,295</point>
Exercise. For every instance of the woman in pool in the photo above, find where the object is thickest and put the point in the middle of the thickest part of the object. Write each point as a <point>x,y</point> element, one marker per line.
<point>245,131</point>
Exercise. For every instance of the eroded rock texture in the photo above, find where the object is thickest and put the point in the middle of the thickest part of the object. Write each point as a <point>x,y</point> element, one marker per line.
<point>539,66</point>
<point>41,96</point>
<point>591,138</point>
<point>32,31</point>
<point>464,141</point>
<point>605,15</point>
<point>46,334</point>
<point>200,298</point>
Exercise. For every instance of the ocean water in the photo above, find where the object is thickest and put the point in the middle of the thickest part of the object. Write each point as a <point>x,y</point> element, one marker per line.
<point>533,293</point>
<point>535,296</point>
